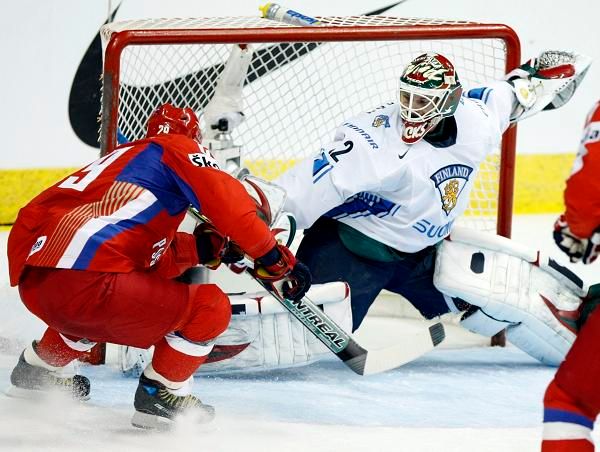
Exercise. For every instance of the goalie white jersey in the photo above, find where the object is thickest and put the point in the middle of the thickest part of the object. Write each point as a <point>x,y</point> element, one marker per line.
<point>405,196</point>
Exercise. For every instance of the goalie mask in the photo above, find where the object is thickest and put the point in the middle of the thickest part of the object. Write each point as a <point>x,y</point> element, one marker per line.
<point>429,91</point>
<point>169,119</point>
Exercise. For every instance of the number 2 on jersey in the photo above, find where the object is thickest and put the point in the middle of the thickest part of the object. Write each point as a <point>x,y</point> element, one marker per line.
<point>335,152</point>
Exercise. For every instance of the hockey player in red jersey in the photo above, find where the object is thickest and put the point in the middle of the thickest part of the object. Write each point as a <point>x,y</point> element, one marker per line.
<point>572,400</point>
<point>577,231</point>
<point>95,255</point>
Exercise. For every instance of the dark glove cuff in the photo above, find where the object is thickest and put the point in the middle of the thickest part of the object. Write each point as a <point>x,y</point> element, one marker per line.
<point>271,257</point>
<point>204,249</point>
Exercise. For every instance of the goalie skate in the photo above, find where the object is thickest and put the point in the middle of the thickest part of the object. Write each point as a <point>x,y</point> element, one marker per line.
<point>157,408</point>
<point>30,381</point>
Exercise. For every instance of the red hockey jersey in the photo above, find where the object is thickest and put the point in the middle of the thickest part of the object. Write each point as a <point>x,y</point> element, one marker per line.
<point>582,195</point>
<point>121,212</point>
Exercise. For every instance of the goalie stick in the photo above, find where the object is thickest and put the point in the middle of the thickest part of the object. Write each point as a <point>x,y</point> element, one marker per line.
<point>360,359</point>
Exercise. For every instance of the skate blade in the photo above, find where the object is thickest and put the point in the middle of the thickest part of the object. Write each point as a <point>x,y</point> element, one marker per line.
<point>40,394</point>
<point>152,422</point>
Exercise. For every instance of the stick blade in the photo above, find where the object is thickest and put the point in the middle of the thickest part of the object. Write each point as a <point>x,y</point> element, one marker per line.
<point>377,361</point>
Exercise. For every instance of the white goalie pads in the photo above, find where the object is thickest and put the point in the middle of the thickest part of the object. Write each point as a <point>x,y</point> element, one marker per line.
<point>262,334</point>
<point>516,288</point>
<point>546,82</point>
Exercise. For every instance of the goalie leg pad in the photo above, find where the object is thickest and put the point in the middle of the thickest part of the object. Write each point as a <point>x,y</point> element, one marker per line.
<point>272,337</point>
<point>477,321</point>
<point>262,334</point>
<point>533,301</point>
<point>537,340</point>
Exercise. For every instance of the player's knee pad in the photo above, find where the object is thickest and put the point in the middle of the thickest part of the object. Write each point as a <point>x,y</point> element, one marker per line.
<point>208,315</point>
<point>534,297</point>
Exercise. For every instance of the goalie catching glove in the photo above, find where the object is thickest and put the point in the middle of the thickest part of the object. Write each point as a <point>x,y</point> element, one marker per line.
<point>579,249</point>
<point>280,264</point>
<point>546,82</point>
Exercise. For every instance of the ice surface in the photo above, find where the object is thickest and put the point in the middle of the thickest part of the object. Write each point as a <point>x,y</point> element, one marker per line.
<point>477,399</point>
<point>467,399</point>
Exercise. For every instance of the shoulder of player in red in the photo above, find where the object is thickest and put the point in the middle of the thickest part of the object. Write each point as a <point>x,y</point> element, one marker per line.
<point>594,114</point>
<point>582,194</point>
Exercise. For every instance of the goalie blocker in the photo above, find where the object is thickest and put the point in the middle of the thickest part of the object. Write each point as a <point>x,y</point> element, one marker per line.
<point>511,287</point>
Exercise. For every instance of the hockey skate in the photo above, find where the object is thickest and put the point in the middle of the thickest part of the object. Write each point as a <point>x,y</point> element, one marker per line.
<point>30,381</point>
<point>156,407</point>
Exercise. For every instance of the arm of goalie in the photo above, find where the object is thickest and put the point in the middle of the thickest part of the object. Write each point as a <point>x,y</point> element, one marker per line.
<point>512,287</point>
<point>546,82</point>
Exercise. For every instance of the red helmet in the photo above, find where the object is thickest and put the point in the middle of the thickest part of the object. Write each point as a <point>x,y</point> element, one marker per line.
<point>170,119</point>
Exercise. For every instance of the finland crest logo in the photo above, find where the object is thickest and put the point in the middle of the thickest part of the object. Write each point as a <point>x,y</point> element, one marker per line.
<point>450,182</point>
<point>381,120</point>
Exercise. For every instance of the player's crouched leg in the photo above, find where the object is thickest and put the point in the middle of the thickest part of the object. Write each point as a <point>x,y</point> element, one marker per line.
<point>567,426</point>
<point>164,390</point>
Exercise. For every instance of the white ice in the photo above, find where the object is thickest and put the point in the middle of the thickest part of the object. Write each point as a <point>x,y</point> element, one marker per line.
<point>479,399</point>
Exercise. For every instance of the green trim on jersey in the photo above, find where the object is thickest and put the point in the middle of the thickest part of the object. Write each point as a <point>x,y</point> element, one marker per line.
<point>358,243</point>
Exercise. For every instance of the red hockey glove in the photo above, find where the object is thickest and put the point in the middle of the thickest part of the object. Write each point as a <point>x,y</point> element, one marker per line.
<point>279,264</point>
<point>214,248</point>
<point>577,248</point>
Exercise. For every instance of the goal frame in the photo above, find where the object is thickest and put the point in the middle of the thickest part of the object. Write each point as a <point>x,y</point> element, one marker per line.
<point>119,40</point>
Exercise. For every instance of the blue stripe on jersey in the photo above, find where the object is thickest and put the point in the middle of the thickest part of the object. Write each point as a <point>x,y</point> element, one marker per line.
<point>148,170</point>
<point>315,180</point>
<point>111,230</point>
<point>364,204</point>
<point>554,415</point>
<point>121,139</point>
<point>190,196</point>
<point>487,95</point>
<point>319,163</point>
<point>476,93</point>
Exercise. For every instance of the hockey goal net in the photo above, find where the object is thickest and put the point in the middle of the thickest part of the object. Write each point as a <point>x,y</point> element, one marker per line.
<point>301,84</point>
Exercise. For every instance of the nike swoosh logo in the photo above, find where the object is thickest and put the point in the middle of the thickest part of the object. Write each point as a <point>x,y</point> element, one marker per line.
<point>567,318</point>
<point>84,98</point>
<point>402,156</point>
<point>223,352</point>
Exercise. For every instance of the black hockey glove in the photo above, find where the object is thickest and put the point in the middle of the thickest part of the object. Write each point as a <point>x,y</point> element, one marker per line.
<point>577,248</point>
<point>280,264</point>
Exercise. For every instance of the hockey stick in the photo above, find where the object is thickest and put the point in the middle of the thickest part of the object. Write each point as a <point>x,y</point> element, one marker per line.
<point>280,13</point>
<point>359,359</point>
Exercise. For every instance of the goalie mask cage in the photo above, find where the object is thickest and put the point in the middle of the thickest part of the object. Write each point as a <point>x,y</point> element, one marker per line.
<point>302,83</point>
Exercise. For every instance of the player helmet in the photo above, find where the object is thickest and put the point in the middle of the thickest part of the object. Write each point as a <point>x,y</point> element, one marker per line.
<point>170,119</point>
<point>429,91</point>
